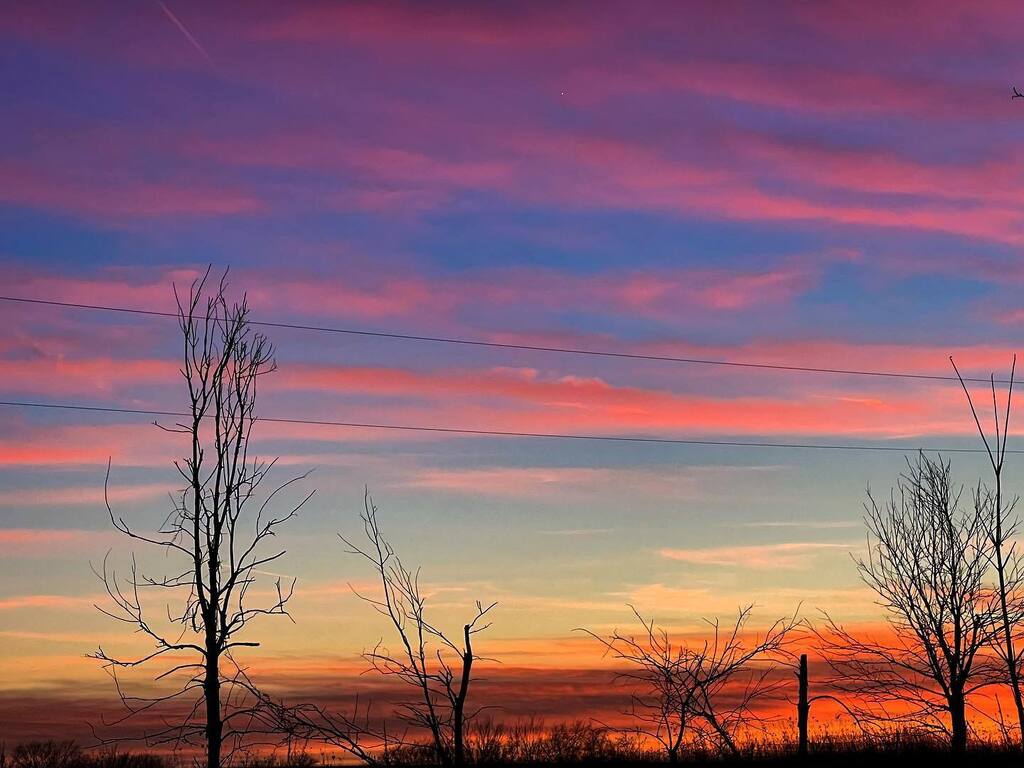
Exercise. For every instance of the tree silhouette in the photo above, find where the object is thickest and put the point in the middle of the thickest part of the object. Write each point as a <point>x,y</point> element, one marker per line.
<point>701,692</point>
<point>1003,528</point>
<point>927,562</point>
<point>214,536</point>
<point>441,683</point>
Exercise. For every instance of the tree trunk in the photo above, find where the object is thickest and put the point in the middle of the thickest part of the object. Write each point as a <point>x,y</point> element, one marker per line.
<point>803,707</point>
<point>723,734</point>
<point>958,723</point>
<point>459,707</point>
<point>211,691</point>
<point>676,744</point>
<point>1011,654</point>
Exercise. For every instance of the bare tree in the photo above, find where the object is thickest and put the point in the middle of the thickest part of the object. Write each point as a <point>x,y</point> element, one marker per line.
<point>355,733</point>
<point>436,667</point>
<point>215,536</point>
<point>700,692</point>
<point>1003,528</point>
<point>928,558</point>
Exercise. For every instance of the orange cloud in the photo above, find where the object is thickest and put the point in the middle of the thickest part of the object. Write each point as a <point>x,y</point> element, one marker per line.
<point>82,494</point>
<point>544,481</point>
<point>47,602</point>
<point>56,542</point>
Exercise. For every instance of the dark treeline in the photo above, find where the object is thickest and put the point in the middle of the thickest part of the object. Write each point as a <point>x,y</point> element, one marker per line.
<point>940,559</point>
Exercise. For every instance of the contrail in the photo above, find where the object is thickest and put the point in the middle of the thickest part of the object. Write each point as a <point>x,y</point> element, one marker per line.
<point>184,30</point>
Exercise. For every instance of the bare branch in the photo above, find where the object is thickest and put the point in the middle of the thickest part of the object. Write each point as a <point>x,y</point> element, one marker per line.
<point>687,692</point>
<point>928,560</point>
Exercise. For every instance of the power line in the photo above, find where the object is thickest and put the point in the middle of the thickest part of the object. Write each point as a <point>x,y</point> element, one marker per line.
<point>508,433</point>
<point>523,347</point>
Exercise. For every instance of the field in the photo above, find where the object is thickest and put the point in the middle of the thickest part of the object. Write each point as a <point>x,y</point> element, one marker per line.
<point>574,745</point>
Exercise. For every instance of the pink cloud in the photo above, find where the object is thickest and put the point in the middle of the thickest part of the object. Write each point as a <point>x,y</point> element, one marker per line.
<point>823,89</point>
<point>129,444</point>
<point>950,27</point>
<point>85,376</point>
<point>572,171</point>
<point>789,555</point>
<point>40,542</point>
<point>508,399</point>
<point>19,536</point>
<point>635,178</point>
<point>979,359</point>
<point>1011,316</point>
<point>466,399</point>
<point>398,166</point>
<point>397,296</point>
<point>534,401</point>
<point>518,400</point>
<point>548,482</point>
<point>502,481</point>
<point>442,25</point>
<point>401,168</point>
<point>82,494</point>
<point>735,176</point>
<point>119,198</point>
<point>991,181</point>
<point>404,293</point>
<point>268,292</point>
<point>651,293</point>
<point>139,288</point>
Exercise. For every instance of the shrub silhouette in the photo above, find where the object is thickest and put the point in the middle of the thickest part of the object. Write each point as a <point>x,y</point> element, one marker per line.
<point>47,754</point>
<point>67,754</point>
<point>531,742</point>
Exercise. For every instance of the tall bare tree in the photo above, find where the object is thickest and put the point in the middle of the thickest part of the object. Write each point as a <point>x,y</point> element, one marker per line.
<point>437,668</point>
<point>699,692</point>
<point>1004,526</point>
<point>928,559</point>
<point>217,536</point>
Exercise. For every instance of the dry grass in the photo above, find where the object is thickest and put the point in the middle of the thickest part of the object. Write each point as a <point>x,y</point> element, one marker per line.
<point>530,743</point>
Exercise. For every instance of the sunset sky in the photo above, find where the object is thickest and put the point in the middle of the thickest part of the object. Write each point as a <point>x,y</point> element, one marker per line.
<point>831,185</point>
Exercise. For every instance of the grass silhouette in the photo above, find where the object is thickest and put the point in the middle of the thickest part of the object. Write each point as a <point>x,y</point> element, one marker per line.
<point>528,743</point>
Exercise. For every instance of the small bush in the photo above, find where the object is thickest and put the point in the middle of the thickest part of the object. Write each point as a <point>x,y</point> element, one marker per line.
<point>66,754</point>
<point>126,760</point>
<point>47,754</point>
<point>302,760</point>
